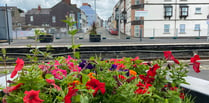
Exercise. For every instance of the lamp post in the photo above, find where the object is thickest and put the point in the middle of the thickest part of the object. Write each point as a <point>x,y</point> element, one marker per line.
<point>208,27</point>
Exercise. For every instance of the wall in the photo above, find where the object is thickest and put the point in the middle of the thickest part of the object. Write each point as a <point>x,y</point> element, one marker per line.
<point>155,19</point>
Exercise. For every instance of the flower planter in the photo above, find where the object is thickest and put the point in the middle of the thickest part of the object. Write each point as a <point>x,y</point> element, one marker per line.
<point>46,38</point>
<point>125,80</point>
<point>94,38</point>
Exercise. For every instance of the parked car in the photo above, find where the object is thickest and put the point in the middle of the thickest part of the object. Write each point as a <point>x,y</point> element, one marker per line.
<point>114,31</point>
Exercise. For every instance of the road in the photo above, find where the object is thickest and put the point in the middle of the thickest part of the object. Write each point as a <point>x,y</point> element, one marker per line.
<point>110,40</point>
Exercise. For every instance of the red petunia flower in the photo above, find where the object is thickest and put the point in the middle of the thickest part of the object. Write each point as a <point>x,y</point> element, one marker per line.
<point>32,97</point>
<point>147,79</point>
<point>182,95</point>
<point>52,82</point>
<point>142,88</point>
<point>168,55</point>
<point>121,77</point>
<point>12,88</point>
<point>196,65</point>
<point>130,79</point>
<point>18,67</point>
<point>70,94</point>
<point>96,85</point>
<point>195,58</point>
<point>152,71</point>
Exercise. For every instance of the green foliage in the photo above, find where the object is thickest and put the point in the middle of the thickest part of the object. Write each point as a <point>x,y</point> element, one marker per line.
<point>36,52</point>
<point>69,21</point>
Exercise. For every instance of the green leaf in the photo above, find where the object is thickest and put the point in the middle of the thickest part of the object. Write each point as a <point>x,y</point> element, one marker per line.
<point>85,78</point>
<point>73,32</point>
<point>92,58</point>
<point>84,99</point>
<point>59,98</point>
<point>1,59</point>
<point>4,52</point>
<point>77,54</point>
<point>76,46</point>
<point>76,99</point>
<point>49,76</point>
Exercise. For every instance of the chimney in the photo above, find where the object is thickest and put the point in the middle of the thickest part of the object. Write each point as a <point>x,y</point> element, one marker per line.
<point>86,4</point>
<point>67,1</point>
<point>39,7</point>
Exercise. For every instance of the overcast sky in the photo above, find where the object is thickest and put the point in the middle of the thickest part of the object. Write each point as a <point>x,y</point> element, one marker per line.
<point>104,7</point>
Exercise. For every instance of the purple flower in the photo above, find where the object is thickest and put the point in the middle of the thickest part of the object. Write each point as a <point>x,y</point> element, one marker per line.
<point>84,63</point>
<point>127,74</point>
<point>113,67</point>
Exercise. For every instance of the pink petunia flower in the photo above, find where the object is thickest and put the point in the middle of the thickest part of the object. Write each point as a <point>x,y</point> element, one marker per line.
<point>59,73</point>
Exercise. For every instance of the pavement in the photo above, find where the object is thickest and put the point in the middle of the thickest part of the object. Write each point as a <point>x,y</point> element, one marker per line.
<point>83,39</point>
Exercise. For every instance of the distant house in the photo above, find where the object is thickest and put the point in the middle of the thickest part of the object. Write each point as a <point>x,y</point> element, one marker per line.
<point>52,17</point>
<point>38,17</point>
<point>60,11</point>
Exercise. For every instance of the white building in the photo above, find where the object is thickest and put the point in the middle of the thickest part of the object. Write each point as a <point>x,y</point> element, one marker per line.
<point>176,18</point>
<point>164,18</point>
<point>83,22</point>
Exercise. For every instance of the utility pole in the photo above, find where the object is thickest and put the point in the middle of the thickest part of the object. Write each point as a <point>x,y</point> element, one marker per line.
<point>119,23</point>
<point>208,27</point>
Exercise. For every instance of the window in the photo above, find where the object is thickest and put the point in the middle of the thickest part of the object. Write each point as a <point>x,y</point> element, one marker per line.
<point>31,18</point>
<point>166,28</point>
<point>168,11</point>
<point>136,31</point>
<point>182,28</point>
<point>137,18</point>
<point>197,27</point>
<point>53,19</point>
<point>72,16</point>
<point>184,11</point>
<point>197,10</point>
<point>137,2</point>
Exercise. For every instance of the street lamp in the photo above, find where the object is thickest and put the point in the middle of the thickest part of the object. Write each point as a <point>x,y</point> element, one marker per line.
<point>208,27</point>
